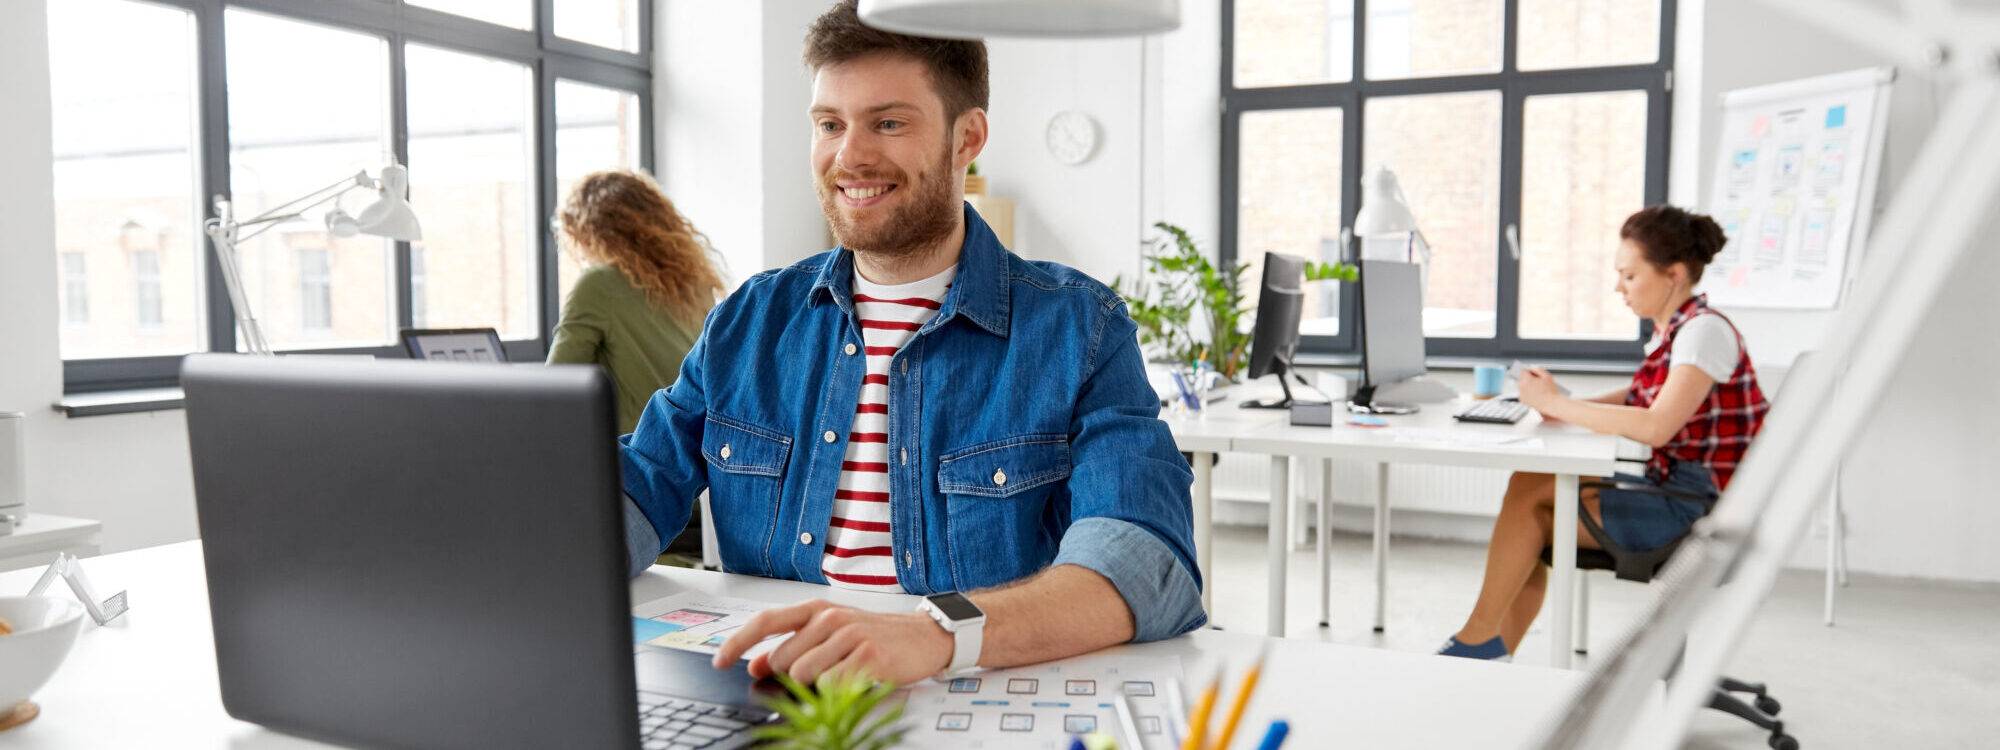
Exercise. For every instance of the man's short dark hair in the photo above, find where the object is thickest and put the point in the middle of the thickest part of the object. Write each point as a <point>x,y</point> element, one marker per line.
<point>957,66</point>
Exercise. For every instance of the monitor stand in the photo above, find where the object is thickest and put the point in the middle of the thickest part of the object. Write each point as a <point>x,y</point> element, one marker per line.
<point>1284,372</point>
<point>1364,403</point>
<point>1279,403</point>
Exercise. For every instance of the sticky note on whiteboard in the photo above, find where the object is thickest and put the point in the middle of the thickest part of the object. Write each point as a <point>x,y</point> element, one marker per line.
<point>1836,116</point>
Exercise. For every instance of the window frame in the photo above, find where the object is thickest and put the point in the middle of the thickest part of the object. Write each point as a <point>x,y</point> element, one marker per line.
<point>547,56</point>
<point>1515,86</point>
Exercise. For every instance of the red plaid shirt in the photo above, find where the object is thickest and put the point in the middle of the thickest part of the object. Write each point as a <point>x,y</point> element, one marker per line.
<point>1721,429</point>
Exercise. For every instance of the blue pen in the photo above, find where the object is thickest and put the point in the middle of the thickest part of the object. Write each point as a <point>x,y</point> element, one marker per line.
<point>1187,393</point>
<point>1275,736</point>
<point>1076,743</point>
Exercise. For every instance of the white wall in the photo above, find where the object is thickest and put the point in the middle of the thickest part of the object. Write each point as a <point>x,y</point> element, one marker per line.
<point>730,96</point>
<point>1917,504</point>
<point>129,471</point>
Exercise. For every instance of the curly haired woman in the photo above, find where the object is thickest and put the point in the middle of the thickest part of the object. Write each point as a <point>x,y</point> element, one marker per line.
<point>638,306</point>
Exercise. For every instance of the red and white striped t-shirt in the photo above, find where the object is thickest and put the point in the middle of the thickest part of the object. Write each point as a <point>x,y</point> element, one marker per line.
<point>859,549</point>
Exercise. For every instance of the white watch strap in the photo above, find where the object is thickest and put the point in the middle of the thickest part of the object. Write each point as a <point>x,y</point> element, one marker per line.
<point>965,643</point>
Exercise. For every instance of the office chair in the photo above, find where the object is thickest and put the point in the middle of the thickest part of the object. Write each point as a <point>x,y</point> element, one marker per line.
<point>1641,566</point>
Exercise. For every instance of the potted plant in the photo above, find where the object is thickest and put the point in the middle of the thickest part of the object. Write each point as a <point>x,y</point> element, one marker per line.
<point>1179,287</point>
<point>834,714</point>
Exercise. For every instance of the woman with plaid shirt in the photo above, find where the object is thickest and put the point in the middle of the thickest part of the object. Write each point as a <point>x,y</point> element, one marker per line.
<point>1694,399</point>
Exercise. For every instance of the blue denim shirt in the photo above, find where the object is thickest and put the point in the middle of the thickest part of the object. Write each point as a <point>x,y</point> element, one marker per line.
<point>1022,434</point>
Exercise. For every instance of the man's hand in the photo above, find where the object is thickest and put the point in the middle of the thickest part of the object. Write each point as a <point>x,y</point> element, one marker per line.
<point>894,648</point>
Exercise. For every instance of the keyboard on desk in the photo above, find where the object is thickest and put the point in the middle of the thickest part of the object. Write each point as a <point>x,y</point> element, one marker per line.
<point>673,724</point>
<point>1495,411</point>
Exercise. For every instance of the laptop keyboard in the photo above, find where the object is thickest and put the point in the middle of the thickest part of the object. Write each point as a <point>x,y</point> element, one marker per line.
<point>676,724</point>
<point>1495,411</point>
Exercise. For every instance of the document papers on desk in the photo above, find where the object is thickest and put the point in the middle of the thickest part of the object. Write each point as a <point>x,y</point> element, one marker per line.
<point>696,622</point>
<point>1043,706</point>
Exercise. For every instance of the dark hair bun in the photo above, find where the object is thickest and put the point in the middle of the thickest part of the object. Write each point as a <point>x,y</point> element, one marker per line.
<point>1669,235</point>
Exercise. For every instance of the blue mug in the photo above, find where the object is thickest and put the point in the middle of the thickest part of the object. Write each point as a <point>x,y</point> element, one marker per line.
<point>1486,380</point>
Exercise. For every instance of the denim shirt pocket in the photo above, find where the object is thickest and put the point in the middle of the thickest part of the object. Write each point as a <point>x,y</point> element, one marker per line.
<point>746,475</point>
<point>996,497</point>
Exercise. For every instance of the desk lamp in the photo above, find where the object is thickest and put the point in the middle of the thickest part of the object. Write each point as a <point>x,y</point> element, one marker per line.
<point>389,216</point>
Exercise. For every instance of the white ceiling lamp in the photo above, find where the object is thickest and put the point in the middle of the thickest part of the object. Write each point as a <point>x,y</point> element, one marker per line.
<point>973,19</point>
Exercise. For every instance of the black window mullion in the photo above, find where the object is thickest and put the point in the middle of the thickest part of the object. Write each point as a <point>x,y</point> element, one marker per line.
<point>1507,267</point>
<point>211,40</point>
<point>399,140</point>
<point>545,193</point>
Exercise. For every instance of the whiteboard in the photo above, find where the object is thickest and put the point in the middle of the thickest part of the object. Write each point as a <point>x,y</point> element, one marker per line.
<point>1794,180</point>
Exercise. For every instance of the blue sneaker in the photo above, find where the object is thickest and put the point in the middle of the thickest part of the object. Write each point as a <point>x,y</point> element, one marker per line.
<point>1492,650</point>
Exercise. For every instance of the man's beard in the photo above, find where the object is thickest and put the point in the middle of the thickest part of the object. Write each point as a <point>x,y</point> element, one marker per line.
<point>925,217</point>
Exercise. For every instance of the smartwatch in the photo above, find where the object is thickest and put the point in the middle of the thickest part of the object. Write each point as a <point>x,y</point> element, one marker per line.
<point>964,621</point>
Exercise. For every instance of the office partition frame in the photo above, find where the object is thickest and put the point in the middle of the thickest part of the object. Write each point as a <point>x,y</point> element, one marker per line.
<point>548,56</point>
<point>1726,568</point>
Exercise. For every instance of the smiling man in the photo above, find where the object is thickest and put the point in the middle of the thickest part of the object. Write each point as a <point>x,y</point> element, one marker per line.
<point>921,411</point>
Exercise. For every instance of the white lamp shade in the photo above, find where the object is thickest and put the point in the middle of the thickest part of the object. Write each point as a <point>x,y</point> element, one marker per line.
<point>1383,208</point>
<point>390,215</point>
<point>339,224</point>
<point>973,19</point>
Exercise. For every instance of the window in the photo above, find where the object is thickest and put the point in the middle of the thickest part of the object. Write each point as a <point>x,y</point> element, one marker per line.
<point>519,14</point>
<point>472,145</point>
<point>307,104</point>
<point>1520,151</point>
<point>146,289</point>
<point>268,102</point>
<point>596,128</point>
<point>75,289</point>
<point>420,288</point>
<point>315,291</point>
<point>126,178</point>
<point>604,23</point>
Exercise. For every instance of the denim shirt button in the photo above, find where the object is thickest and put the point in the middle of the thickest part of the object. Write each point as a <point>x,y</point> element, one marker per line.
<point>828,436</point>
<point>805,537</point>
<point>725,451</point>
<point>850,349</point>
<point>999,478</point>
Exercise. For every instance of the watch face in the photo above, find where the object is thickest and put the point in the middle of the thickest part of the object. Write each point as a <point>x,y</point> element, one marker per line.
<point>956,606</point>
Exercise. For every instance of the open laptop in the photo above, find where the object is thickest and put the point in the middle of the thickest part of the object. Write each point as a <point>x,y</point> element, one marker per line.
<point>410,554</point>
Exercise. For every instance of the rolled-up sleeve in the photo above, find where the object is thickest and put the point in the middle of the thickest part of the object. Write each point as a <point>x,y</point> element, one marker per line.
<point>660,463</point>
<point>1131,520</point>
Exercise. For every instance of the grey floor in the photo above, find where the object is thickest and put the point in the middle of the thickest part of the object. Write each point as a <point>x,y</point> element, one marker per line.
<point>1909,663</point>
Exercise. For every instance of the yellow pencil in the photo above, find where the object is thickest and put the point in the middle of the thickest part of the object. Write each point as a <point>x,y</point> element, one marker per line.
<point>1197,737</point>
<point>1242,701</point>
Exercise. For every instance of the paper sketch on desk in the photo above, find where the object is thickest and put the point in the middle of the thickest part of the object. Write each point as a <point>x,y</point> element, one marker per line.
<point>1042,706</point>
<point>696,622</point>
<point>1463,437</point>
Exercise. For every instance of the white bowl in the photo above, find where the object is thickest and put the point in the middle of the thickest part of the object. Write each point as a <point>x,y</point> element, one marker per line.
<point>44,628</point>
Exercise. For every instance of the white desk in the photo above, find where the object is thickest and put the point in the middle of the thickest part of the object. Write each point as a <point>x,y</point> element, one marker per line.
<point>36,541</point>
<point>1567,451</point>
<point>149,679</point>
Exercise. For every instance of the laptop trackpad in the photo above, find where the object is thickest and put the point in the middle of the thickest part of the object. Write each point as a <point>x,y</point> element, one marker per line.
<point>685,674</point>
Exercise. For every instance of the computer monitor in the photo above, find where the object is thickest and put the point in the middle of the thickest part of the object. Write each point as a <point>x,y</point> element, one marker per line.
<point>1391,330</point>
<point>454,344</point>
<point>1276,336</point>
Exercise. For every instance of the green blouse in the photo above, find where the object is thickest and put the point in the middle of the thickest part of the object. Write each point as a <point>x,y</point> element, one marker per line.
<point>609,322</point>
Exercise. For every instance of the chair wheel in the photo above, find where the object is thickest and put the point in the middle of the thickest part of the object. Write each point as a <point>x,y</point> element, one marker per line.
<point>1784,742</point>
<point>1769,705</point>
